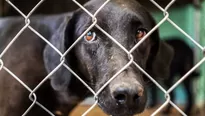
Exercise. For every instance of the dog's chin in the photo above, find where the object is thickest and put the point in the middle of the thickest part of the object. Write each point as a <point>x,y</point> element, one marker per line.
<point>120,111</point>
<point>114,109</point>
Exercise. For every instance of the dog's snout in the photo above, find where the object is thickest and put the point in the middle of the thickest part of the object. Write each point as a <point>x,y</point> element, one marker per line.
<point>127,95</point>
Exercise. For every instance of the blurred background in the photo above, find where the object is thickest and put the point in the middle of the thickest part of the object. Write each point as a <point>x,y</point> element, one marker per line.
<point>187,14</point>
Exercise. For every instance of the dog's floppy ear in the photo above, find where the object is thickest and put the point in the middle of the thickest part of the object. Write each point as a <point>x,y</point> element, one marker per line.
<point>162,61</point>
<point>160,58</point>
<point>61,78</point>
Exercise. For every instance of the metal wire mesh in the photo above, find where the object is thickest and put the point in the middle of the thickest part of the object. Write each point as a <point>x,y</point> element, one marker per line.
<point>33,96</point>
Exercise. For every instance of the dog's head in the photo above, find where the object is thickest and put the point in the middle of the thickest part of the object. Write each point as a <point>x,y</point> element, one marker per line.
<point>99,58</point>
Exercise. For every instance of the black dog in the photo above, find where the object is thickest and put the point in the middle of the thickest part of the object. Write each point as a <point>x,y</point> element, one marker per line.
<point>182,62</point>
<point>95,59</point>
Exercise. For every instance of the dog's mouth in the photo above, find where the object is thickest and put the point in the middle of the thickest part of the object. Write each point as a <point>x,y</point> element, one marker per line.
<point>119,111</point>
<point>111,107</point>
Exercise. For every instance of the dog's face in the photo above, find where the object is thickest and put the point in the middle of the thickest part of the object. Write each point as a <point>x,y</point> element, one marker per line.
<point>99,58</point>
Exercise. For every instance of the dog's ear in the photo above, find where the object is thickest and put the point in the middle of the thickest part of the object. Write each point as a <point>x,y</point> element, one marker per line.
<point>61,78</point>
<point>162,61</point>
<point>160,58</point>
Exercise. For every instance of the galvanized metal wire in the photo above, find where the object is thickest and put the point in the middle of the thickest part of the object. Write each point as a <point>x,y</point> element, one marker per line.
<point>32,95</point>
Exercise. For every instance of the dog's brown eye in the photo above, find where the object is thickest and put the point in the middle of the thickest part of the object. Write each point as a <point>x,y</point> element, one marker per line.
<point>90,36</point>
<point>140,34</point>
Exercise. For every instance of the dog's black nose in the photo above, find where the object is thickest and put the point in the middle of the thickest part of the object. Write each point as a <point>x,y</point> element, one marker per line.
<point>127,95</point>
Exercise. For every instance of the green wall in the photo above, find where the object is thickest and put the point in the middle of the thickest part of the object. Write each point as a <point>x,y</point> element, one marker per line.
<point>201,97</point>
<point>184,17</point>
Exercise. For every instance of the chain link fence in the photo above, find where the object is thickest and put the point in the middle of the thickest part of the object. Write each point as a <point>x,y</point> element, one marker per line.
<point>33,96</point>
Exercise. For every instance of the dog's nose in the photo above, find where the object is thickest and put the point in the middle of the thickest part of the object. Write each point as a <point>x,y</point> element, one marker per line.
<point>127,95</point>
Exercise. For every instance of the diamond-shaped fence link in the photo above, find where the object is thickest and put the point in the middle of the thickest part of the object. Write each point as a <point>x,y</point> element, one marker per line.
<point>33,96</point>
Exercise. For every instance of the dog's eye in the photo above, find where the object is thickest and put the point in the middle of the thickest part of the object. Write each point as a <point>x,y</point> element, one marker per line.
<point>140,33</point>
<point>90,36</point>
